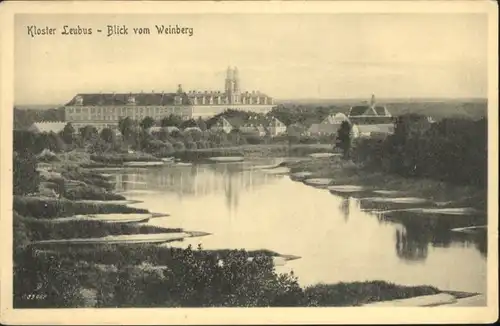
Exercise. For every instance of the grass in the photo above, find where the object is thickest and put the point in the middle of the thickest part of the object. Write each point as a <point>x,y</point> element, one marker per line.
<point>360,293</point>
<point>53,208</point>
<point>86,192</point>
<point>120,158</point>
<point>122,254</point>
<point>260,150</point>
<point>48,230</point>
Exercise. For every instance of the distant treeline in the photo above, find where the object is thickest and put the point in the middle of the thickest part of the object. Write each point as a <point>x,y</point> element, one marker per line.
<point>24,118</point>
<point>474,109</point>
<point>454,150</point>
<point>306,112</point>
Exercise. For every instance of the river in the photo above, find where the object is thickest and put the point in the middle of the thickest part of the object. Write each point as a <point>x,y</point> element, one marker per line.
<point>243,207</point>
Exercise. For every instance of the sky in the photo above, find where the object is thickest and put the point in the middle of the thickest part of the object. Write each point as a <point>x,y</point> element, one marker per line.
<point>286,56</point>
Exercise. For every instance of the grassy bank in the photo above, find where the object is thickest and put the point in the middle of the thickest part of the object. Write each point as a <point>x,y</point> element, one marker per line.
<point>348,173</point>
<point>46,208</point>
<point>258,150</point>
<point>261,150</point>
<point>360,293</point>
<point>39,229</point>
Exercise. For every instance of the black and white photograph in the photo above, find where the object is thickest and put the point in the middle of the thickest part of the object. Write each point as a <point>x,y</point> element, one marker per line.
<point>238,157</point>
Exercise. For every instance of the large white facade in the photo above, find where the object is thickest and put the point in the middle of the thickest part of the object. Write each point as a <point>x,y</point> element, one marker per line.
<point>105,110</point>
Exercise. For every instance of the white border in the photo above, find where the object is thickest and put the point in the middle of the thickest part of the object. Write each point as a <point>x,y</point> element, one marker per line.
<point>241,315</point>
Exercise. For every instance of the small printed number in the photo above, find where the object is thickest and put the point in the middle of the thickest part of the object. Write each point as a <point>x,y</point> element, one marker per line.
<point>35,296</point>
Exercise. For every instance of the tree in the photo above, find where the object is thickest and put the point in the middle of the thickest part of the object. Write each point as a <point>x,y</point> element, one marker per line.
<point>292,135</point>
<point>235,136</point>
<point>25,176</point>
<point>126,127</point>
<point>147,123</point>
<point>88,133</point>
<point>107,135</point>
<point>188,123</point>
<point>55,142</point>
<point>201,124</point>
<point>67,134</point>
<point>171,121</point>
<point>344,139</point>
<point>25,141</point>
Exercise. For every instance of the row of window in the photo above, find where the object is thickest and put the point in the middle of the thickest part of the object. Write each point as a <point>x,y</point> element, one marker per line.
<point>123,110</point>
<point>107,117</point>
<point>225,100</point>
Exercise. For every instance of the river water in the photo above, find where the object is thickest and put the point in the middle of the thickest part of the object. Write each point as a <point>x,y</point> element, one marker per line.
<point>245,208</point>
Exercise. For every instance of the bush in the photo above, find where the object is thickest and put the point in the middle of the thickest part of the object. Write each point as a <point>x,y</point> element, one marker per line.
<point>86,192</point>
<point>21,236</point>
<point>191,145</point>
<point>51,280</point>
<point>26,179</point>
<point>166,150</point>
<point>254,140</point>
<point>192,279</point>
<point>179,146</point>
<point>201,144</point>
<point>88,177</point>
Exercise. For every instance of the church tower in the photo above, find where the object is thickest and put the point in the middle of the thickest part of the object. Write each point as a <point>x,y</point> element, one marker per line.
<point>236,85</point>
<point>229,85</point>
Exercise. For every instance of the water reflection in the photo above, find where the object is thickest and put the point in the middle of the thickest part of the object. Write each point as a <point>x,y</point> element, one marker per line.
<point>418,231</point>
<point>337,240</point>
<point>345,207</point>
<point>196,180</point>
<point>411,245</point>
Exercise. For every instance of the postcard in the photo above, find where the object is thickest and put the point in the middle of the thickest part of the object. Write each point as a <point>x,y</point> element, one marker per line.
<point>249,162</point>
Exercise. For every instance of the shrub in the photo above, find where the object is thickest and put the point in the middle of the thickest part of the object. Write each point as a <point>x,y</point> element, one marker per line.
<point>26,179</point>
<point>192,279</point>
<point>91,193</point>
<point>201,144</point>
<point>179,146</point>
<point>191,145</point>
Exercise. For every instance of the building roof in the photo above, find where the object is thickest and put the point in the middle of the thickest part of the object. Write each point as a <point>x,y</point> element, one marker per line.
<point>47,126</point>
<point>382,110</point>
<point>369,110</point>
<point>195,93</point>
<point>141,99</point>
<point>235,122</point>
<point>193,129</point>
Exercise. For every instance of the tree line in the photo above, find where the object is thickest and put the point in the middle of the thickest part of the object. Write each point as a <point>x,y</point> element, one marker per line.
<point>454,150</point>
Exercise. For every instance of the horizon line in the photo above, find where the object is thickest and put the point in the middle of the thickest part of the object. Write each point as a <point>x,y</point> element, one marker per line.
<point>325,99</point>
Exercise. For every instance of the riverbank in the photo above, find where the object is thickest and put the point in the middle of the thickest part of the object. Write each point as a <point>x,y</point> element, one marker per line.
<point>350,174</point>
<point>82,159</point>
<point>145,275</point>
<point>254,151</point>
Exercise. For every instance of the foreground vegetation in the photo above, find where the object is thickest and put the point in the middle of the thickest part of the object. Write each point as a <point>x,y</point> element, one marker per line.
<point>145,276</point>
